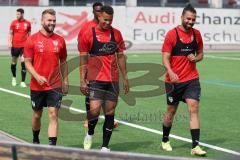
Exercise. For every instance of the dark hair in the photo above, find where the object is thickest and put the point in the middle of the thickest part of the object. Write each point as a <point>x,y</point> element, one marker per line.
<point>97,4</point>
<point>20,10</point>
<point>49,11</point>
<point>107,9</point>
<point>190,8</point>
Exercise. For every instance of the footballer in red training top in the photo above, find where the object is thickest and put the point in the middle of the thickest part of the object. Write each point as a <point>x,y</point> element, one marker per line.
<point>45,58</point>
<point>20,29</point>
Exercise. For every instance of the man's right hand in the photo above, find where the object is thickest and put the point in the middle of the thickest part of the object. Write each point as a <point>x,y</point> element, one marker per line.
<point>84,87</point>
<point>9,45</point>
<point>173,77</point>
<point>40,79</point>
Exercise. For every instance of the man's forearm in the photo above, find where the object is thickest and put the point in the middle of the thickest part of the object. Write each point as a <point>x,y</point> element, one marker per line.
<point>199,57</point>
<point>10,39</point>
<point>64,71</point>
<point>83,67</point>
<point>122,65</point>
<point>29,67</point>
<point>166,62</point>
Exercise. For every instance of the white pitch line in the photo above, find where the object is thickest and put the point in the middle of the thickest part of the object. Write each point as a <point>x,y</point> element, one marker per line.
<point>224,58</point>
<point>139,127</point>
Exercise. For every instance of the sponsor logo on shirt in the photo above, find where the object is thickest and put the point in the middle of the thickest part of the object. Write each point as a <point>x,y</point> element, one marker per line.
<point>108,47</point>
<point>187,49</point>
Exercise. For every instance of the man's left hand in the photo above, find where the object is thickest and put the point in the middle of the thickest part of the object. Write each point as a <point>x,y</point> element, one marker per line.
<point>191,57</point>
<point>125,86</point>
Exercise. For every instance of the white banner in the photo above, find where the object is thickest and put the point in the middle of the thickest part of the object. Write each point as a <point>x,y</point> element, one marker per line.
<point>140,25</point>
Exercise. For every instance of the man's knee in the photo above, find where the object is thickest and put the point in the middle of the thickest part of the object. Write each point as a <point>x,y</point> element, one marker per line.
<point>172,110</point>
<point>193,106</point>
<point>37,115</point>
<point>53,114</point>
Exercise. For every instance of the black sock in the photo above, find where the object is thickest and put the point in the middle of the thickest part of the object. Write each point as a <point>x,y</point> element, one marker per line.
<point>23,71</point>
<point>36,136</point>
<point>87,103</point>
<point>13,69</point>
<point>91,126</point>
<point>107,129</point>
<point>166,132</point>
<point>52,141</point>
<point>195,137</point>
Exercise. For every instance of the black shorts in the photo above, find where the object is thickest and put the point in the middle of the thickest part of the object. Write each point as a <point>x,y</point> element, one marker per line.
<point>99,90</point>
<point>182,91</point>
<point>49,98</point>
<point>16,52</point>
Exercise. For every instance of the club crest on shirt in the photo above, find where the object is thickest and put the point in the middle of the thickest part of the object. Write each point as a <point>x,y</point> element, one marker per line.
<point>25,25</point>
<point>55,43</point>
<point>40,46</point>
<point>56,48</point>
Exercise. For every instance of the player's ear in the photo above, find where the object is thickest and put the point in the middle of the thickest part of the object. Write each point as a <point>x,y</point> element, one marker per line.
<point>42,18</point>
<point>42,21</point>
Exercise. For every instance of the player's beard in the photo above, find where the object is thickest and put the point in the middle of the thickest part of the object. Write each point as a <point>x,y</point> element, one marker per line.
<point>49,28</point>
<point>105,26</point>
<point>187,26</point>
<point>20,18</point>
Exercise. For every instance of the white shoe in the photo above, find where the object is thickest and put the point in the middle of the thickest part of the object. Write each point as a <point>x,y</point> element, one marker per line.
<point>87,144</point>
<point>166,146</point>
<point>105,149</point>
<point>198,151</point>
<point>23,85</point>
<point>14,82</point>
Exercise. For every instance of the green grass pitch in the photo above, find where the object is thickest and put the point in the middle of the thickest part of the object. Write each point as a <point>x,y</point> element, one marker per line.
<point>219,111</point>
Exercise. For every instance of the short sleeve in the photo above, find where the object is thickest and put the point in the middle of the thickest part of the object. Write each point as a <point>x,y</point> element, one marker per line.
<point>11,26</point>
<point>199,42</point>
<point>29,27</point>
<point>29,49</point>
<point>63,53</point>
<point>169,42</point>
<point>120,42</point>
<point>85,41</point>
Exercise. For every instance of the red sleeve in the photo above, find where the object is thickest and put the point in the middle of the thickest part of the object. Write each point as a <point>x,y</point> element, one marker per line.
<point>63,52</point>
<point>169,42</point>
<point>80,34</point>
<point>29,27</point>
<point>120,41</point>
<point>78,39</point>
<point>199,41</point>
<point>86,41</point>
<point>12,26</point>
<point>82,31</point>
<point>29,49</point>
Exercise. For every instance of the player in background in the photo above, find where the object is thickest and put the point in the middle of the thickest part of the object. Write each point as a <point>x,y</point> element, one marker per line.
<point>20,30</point>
